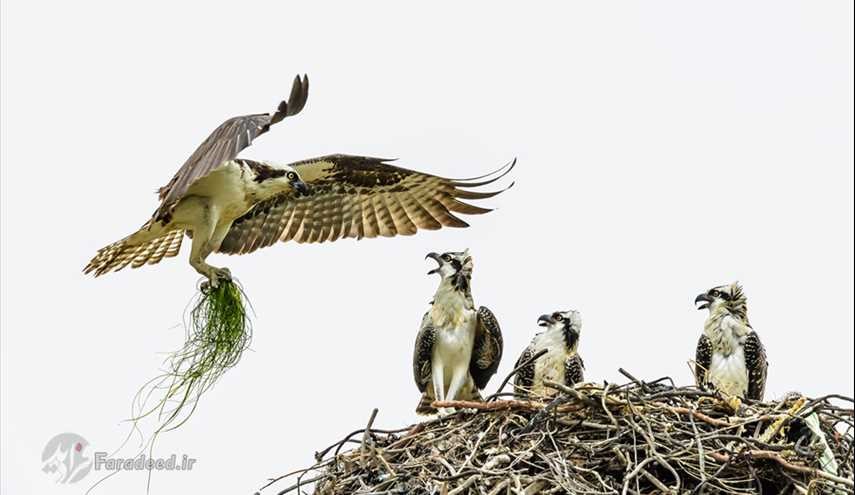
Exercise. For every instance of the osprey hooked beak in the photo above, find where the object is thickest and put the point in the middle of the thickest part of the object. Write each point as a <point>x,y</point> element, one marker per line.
<point>545,320</point>
<point>300,187</point>
<point>704,298</point>
<point>452,264</point>
<point>436,258</point>
<point>566,320</point>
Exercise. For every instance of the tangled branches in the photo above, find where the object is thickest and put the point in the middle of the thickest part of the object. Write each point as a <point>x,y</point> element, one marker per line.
<point>633,438</point>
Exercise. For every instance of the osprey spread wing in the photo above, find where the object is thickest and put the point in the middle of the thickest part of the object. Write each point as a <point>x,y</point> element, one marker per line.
<point>224,144</point>
<point>235,206</point>
<point>354,196</point>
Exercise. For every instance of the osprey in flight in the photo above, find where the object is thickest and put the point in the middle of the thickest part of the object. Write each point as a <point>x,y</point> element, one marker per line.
<point>730,357</point>
<point>230,205</point>
<point>561,363</point>
<point>458,347</point>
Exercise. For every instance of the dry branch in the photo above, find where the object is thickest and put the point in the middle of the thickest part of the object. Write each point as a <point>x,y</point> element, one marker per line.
<point>634,438</point>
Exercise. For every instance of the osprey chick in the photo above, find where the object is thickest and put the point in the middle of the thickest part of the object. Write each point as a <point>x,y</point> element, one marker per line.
<point>458,347</point>
<point>730,357</point>
<point>236,206</point>
<point>561,363</point>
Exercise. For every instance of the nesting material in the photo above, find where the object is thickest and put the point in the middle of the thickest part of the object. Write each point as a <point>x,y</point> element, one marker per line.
<point>218,331</point>
<point>597,439</point>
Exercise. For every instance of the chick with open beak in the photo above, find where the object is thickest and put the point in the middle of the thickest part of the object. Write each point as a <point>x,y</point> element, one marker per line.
<point>453,267</point>
<point>729,356</point>
<point>558,361</point>
<point>459,346</point>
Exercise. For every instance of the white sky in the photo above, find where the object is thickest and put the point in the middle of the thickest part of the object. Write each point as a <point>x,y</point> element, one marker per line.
<point>662,150</point>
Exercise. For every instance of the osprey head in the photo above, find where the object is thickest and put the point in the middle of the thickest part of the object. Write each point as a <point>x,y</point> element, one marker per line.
<point>569,323</point>
<point>563,320</point>
<point>276,176</point>
<point>452,265</point>
<point>729,297</point>
<point>294,179</point>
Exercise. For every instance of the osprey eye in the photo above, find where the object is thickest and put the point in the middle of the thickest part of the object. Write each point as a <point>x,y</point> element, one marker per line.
<point>558,317</point>
<point>715,293</point>
<point>446,257</point>
<point>292,176</point>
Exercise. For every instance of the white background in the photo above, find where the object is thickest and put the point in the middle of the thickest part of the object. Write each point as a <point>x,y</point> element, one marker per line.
<point>663,149</point>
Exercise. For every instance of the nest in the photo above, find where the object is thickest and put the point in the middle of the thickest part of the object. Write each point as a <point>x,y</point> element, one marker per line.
<point>598,439</point>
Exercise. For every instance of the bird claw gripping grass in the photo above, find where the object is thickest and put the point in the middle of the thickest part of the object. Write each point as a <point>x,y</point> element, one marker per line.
<point>218,331</point>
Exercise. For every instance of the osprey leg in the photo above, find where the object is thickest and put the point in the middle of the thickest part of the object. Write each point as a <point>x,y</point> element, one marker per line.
<point>458,379</point>
<point>438,382</point>
<point>202,218</point>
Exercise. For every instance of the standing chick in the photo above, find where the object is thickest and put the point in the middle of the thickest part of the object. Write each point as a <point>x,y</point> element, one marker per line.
<point>458,348</point>
<point>729,357</point>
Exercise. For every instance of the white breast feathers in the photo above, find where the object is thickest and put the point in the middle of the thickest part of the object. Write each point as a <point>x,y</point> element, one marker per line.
<point>550,366</point>
<point>727,372</point>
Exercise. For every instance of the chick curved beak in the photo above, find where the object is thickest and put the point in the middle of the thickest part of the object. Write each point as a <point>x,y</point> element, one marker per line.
<point>436,258</point>
<point>705,299</point>
<point>544,320</point>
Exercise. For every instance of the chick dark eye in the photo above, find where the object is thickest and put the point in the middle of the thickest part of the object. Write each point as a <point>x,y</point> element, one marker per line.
<point>446,257</point>
<point>558,317</point>
<point>715,293</point>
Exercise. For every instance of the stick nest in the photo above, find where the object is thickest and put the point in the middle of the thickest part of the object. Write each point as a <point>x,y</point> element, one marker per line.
<point>633,438</point>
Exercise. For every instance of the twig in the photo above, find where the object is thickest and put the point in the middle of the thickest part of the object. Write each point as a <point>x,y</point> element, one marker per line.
<point>514,372</point>
<point>817,473</point>
<point>488,406</point>
<point>366,435</point>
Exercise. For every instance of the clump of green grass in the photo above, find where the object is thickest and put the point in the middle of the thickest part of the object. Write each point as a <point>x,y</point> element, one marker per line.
<point>218,331</point>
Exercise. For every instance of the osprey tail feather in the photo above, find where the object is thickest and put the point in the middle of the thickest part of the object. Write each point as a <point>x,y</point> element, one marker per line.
<point>145,246</point>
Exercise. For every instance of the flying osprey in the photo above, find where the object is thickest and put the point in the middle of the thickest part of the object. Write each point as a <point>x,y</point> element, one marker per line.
<point>729,357</point>
<point>458,347</point>
<point>560,364</point>
<point>235,206</point>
